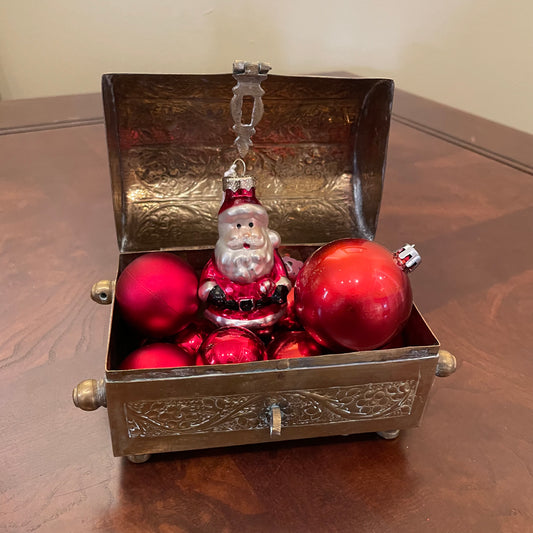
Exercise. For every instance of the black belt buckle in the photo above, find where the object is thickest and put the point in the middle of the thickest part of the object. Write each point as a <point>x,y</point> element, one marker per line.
<point>246,305</point>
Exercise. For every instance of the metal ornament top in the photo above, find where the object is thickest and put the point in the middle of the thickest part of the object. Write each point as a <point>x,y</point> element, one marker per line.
<point>249,77</point>
<point>234,182</point>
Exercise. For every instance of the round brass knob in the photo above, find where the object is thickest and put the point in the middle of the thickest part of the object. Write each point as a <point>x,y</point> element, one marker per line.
<point>89,395</point>
<point>447,364</point>
<point>102,291</point>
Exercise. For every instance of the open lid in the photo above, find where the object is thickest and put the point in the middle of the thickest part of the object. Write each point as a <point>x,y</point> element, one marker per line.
<point>318,156</point>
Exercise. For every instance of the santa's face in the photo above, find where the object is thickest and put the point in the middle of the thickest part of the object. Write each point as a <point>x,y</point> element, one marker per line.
<point>244,251</point>
<point>243,233</point>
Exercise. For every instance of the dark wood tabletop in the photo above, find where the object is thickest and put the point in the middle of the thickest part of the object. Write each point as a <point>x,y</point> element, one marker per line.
<point>458,186</point>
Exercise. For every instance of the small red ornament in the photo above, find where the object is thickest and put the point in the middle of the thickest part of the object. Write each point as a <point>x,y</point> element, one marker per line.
<point>156,294</point>
<point>293,344</point>
<point>352,294</point>
<point>232,344</point>
<point>158,355</point>
<point>290,320</point>
<point>192,337</point>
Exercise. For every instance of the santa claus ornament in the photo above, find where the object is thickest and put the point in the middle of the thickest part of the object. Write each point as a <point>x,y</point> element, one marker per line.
<point>245,283</point>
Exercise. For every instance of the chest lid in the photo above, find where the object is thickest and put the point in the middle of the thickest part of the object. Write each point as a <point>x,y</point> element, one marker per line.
<point>318,156</point>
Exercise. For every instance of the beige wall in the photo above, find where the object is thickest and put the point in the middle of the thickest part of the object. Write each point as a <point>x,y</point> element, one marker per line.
<point>475,55</point>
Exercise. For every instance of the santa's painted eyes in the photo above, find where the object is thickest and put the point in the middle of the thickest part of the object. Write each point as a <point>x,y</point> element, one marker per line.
<point>251,224</point>
<point>238,226</point>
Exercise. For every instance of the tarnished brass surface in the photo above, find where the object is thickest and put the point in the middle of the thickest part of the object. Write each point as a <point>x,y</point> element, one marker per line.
<point>152,411</point>
<point>318,156</point>
<point>102,292</point>
<point>447,364</point>
<point>90,395</point>
<point>211,410</point>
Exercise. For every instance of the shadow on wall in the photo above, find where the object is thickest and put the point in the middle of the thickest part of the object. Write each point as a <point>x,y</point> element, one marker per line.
<point>455,65</point>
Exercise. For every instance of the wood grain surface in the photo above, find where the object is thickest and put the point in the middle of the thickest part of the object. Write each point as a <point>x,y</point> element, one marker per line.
<point>469,467</point>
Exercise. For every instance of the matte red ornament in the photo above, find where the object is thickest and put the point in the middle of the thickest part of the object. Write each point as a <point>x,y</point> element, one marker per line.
<point>232,344</point>
<point>156,294</point>
<point>192,337</point>
<point>293,344</point>
<point>158,355</point>
<point>352,295</point>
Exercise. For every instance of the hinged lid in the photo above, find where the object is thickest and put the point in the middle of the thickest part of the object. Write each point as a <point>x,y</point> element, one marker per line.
<point>318,155</point>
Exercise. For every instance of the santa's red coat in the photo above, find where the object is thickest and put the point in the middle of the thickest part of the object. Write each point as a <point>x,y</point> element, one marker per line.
<point>257,318</point>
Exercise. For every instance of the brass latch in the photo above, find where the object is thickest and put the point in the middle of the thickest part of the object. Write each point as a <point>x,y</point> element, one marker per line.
<point>275,421</point>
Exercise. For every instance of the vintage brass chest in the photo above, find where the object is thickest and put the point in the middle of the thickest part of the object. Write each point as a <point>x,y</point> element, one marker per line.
<point>319,156</point>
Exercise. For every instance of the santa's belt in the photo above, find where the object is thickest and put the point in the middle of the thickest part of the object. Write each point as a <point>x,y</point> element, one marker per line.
<point>248,304</point>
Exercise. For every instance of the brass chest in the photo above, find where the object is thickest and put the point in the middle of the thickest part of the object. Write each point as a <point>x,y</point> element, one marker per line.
<point>319,157</point>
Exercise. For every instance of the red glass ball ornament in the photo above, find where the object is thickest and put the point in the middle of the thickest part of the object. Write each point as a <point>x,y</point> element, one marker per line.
<point>289,320</point>
<point>156,294</point>
<point>352,295</point>
<point>192,337</point>
<point>158,355</point>
<point>232,345</point>
<point>293,344</point>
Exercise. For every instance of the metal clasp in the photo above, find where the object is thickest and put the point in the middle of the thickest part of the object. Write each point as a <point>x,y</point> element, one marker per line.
<point>275,421</point>
<point>249,77</point>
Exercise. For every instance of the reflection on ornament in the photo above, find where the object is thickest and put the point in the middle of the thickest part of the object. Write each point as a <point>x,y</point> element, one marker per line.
<point>158,355</point>
<point>232,345</point>
<point>192,337</point>
<point>293,344</point>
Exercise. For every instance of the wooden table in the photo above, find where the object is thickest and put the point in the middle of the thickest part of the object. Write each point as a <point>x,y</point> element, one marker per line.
<point>458,186</point>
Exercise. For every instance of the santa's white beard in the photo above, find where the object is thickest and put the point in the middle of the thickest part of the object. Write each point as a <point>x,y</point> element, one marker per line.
<point>244,265</point>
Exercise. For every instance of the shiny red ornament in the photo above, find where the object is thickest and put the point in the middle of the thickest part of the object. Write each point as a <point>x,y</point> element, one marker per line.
<point>232,344</point>
<point>158,355</point>
<point>192,337</point>
<point>156,294</point>
<point>289,320</point>
<point>293,344</point>
<point>352,295</point>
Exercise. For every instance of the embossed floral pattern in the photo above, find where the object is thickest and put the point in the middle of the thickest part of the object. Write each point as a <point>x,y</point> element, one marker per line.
<point>180,416</point>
